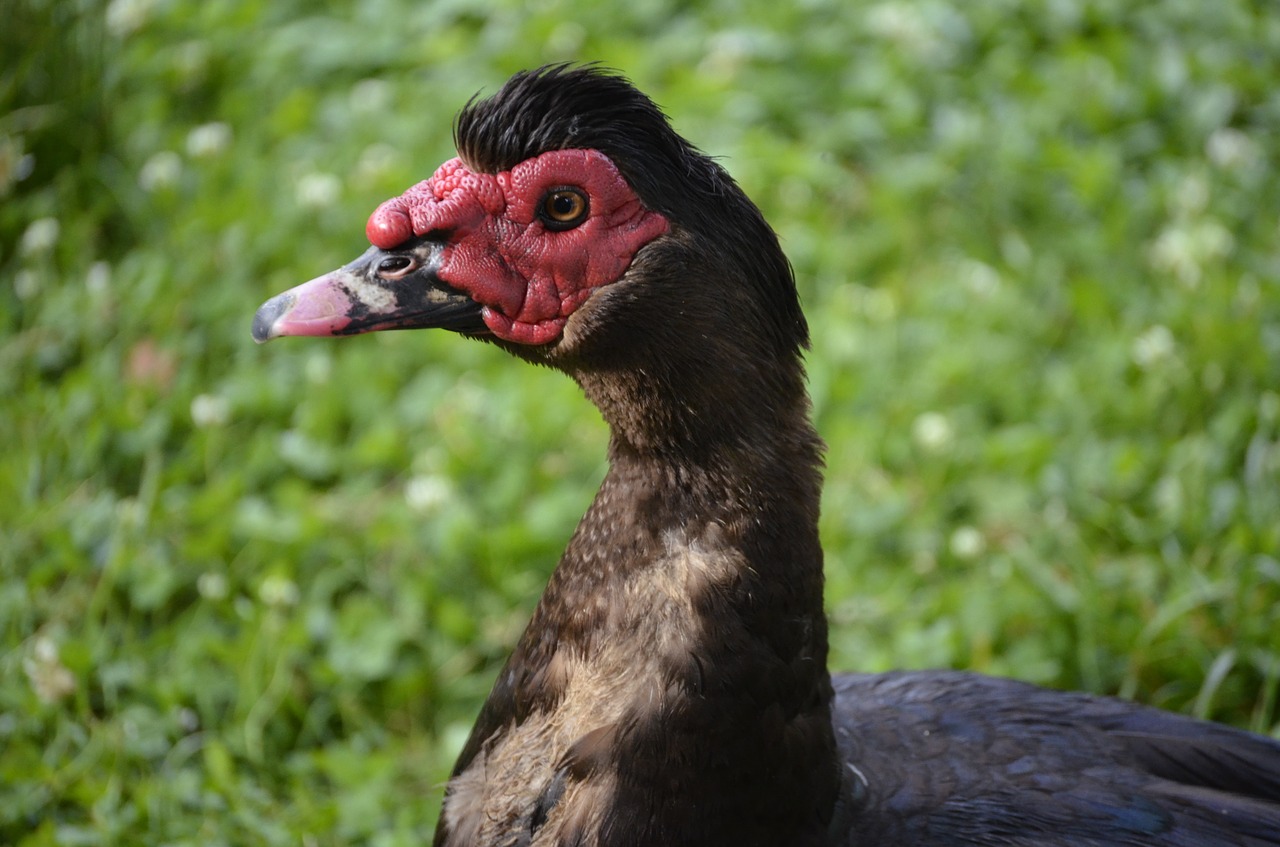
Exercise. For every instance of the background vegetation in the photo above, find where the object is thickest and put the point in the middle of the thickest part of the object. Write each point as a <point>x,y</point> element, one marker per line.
<point>255,595</point>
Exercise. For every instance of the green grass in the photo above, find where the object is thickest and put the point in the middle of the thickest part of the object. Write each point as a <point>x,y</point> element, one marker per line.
<point>256,595</point>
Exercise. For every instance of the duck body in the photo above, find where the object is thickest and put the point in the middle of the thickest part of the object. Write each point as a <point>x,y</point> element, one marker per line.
<point>672,685</point>
<point>953,758</point>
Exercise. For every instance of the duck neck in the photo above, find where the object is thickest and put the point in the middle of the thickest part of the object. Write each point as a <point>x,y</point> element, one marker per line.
<point>685,622</point>
<point>731,491</point>
<point>672,686</point>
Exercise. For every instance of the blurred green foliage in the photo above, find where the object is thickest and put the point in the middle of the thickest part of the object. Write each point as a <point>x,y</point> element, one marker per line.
<point>255,595</point>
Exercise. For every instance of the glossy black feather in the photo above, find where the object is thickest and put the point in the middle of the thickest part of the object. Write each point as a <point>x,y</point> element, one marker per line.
<point>956,758</point>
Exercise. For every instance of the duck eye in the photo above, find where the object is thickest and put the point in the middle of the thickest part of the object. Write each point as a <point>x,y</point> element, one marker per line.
<point>563,208</point>
<point>393,267</point>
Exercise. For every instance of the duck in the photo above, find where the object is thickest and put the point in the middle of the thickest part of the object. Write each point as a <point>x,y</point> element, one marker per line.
<point>672,685</point>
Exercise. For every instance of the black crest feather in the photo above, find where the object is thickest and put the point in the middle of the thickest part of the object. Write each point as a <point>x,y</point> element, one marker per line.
<point>562,107</point>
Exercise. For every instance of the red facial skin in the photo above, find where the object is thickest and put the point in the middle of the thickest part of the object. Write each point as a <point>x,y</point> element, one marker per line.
<point>528,277</point>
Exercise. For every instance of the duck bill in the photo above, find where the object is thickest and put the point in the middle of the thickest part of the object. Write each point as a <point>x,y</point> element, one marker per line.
<point>355,299</point>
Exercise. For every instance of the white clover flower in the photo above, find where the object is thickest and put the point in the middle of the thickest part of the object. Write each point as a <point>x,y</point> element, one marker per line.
<point>1213,240</point>
<point>1015,250</point>
<point>1192,194</point>
<point>980,278</point>
<point>1269,407</point>
<point>376,161</point>
<point>208,140</point>
<point>933,432</point>
<point>1172,252</point>
<point>162,170</point>
<point>725,53</point>
<point>188,719</point>
<point>277,591</point>
<point>426,492</point>
<point>1231,149</point>
<point>318,368</point>
<point>40,236</point>
<point>371,96</point>
<point>955,126</point>
<point>1176,251</point>
<point>1168,496</point>
<point>98,279</point>
<point>878,305</point>
<point>911,28</point>
<point>1152,347</point>
<point>15,164</point>
<point>131,513</point>
<point>212,585</point>
<point>210,410</point>
<point>50,679</point>
<point>318,190</point>
<point>1184,250</point>
<point>567,39</point>
<point>125,17</point>
<point>26,284</point>
<point>967,543</point>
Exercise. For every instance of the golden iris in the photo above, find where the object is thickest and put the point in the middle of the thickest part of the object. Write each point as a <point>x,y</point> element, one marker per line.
<point>564,208</point>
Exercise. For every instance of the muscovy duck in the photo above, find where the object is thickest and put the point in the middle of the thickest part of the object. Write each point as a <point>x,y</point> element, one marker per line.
<point>672,686</point>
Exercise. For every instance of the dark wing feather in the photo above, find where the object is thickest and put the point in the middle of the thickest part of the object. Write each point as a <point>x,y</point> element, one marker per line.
<point>947,758</point>
<point>1191,752</point>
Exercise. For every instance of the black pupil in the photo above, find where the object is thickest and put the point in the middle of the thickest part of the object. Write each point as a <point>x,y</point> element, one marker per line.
<point>391,264</point>
<point>564,205</point>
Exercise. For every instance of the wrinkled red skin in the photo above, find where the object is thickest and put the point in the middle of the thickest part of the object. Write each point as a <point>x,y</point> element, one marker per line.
<point>529,279</point>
